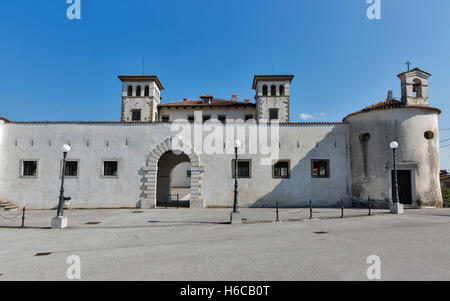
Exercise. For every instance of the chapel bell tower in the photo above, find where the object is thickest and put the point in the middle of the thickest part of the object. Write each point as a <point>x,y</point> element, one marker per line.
<point>141,95</point>
<point>414,87</point>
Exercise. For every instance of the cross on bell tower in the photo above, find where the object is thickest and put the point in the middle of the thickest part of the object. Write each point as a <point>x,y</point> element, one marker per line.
<point>408,63</point>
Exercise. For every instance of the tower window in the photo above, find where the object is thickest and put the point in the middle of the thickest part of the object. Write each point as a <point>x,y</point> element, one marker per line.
<point>136,115</point>
<point>191,118</point>
<point>71,169</point>
<point>273,90</point>
<point>417,88</point>
<point>273,114</point>
<point>165,118</point>
<point>265,90</point>
<point>206,118</point>
<point>147,91</point>
<point>222,118</point>
<point>130,91</point>
<point>281,90</point>
<point>138,90</point>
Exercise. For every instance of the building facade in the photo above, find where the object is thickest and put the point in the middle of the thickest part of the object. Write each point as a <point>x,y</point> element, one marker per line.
<point>136,161</point>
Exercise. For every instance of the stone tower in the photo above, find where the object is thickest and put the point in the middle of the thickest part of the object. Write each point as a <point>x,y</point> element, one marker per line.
<point>414,87</point>
<point>141,95</point>
<point>272,97</point>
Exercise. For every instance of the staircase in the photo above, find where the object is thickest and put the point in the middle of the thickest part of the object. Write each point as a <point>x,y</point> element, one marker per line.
<point>8,206</point>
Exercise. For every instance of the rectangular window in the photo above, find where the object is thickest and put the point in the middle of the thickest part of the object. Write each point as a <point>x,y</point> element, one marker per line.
<point>110,168</point>
<point>206,118</point>
<point>71,169</point>
<point>191,118</point>
<point>320,168</point>
<point>29,168</point>
<point>136,115</point>
<point>189,174</point>
<point>165,118</point>
<point>244,168</point>
<point>249,117</point>
<point>222,118</point>
<point>273,114</point>
<point>281,169</point>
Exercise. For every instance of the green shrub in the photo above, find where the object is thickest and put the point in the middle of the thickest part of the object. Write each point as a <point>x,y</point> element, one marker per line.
<point>446,196</point>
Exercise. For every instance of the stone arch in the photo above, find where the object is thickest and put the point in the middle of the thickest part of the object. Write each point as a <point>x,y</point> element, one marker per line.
<point>150,172</point>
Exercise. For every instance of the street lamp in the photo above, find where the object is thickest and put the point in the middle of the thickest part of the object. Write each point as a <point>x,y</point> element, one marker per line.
<point>235,217</point>
<point>396,207</point>
<point>60,222</point>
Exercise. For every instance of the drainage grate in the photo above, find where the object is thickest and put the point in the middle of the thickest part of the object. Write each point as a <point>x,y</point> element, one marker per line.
<point>321,232</point>
<point>43,254</point>
<point>92,223</point>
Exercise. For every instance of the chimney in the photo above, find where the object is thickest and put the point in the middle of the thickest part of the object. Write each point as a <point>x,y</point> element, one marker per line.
<point>234,97</point>
<point>390,95</point>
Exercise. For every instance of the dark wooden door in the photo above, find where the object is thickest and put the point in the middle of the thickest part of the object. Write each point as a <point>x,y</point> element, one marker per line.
<point>404,186</point>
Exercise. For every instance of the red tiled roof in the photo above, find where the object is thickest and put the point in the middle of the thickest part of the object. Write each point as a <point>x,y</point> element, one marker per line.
<point>213,103</point>
<point>445,177</point>
<point>389,104</point>
<point>4,119</point>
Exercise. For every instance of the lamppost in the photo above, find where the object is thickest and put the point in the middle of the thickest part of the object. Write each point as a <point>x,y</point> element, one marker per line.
<point>235,217</point>
<point>396,207</point>
<point>60,222</point>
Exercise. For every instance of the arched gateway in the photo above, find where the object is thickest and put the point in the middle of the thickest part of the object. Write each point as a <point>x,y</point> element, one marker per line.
<point>165,157</point>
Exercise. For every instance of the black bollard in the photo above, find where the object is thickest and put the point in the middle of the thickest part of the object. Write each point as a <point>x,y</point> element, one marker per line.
<point>23,217</point>
<point>342,208</point>
<point>310,209</point>
<point>278,219</point>
<point>178,201</point>
<point>370,208</point>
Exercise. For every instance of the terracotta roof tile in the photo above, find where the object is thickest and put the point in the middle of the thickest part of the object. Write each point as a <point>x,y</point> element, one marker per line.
<point>213,103</point>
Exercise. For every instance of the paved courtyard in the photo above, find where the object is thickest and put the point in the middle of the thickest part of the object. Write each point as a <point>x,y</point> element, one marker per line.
<point>198,245</point>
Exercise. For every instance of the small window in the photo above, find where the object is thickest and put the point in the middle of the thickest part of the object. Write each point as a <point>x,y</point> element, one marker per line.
<point>29,168</point>
<point>71,169</point>
<point>138,91</point>
<point>191,119</point>
<point>281,170</point>
<point>244,168</point>
<point>364,137</point>
<point>130,91</point>
<point>320,168</point>
<point>110,168</point>
<point>273,114</point>
<point>273,90</point>
<point>165,118</point>
<point>206,118</point>
<point>281,90</point>
<point>147,91</point>
<point>222,118</point>
<point>429,135</point>
<point>249,117</point>
<point>189,174</point>
<point>265,90</point>
<point>136,115</point>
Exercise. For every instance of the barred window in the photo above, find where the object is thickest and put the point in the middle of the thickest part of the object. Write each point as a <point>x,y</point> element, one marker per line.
<point>71,169</point>
<point>320,168</point>
<point>29,168</point>
<point>110,168</point>
<point>281,169</point>
<point>244,168</point>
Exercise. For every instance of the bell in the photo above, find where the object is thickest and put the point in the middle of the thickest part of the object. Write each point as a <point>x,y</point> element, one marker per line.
<point>415,88</point>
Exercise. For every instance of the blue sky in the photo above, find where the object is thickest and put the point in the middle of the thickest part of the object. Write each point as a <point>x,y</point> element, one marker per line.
<point>52,68</point>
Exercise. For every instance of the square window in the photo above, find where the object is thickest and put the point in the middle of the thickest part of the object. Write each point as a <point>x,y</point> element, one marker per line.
<point>273,114</point>
<point>320,168</point>
<point>71,169</point>
<point>244,168</point>
<point>281,169</point>
<point>222,118</point>
<point>136,115</point>
<point>191,119</point>
<point>29,168</point>
<point>189,174</point>
<point>165,118</point>
<point>110,168</point>
<point>249,117</point>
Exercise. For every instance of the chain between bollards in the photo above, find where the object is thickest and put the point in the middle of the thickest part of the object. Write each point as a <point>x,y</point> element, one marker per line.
<point>23,217</point>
